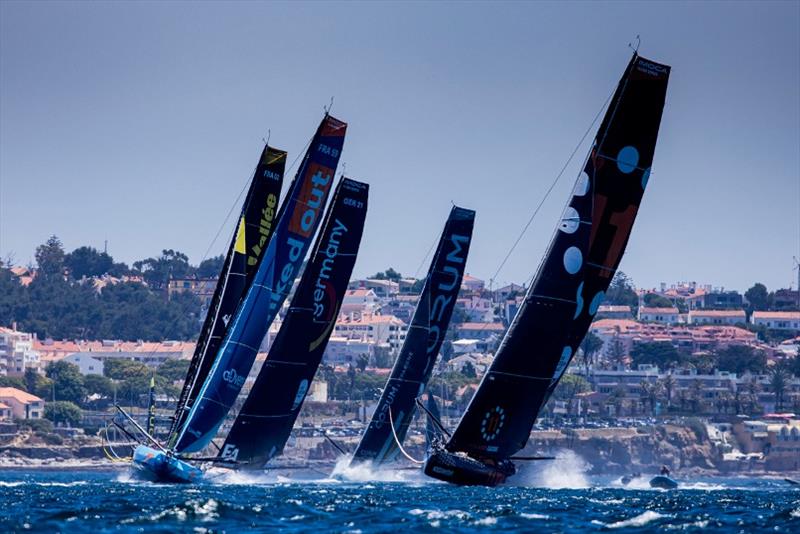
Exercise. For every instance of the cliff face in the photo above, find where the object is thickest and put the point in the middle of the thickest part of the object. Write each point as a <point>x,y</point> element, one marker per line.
<point>620,451</point>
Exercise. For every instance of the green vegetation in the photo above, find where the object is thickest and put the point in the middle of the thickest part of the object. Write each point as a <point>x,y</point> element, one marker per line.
<point>62,303</point>
<point>654,300</point>
<point>62,412</point>
<point>621,292</point>
<point>660,353</point>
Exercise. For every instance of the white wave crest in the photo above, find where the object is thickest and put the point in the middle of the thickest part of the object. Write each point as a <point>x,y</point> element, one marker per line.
<point>637,521</point>
<point>366,472</point>
<point>567,471</point>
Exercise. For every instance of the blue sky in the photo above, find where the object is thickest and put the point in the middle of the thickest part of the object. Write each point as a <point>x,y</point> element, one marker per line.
<point>139,123</point>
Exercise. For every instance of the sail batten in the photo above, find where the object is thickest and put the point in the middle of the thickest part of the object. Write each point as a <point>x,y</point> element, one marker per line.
<point>295,226</point>
<point>571,280</point>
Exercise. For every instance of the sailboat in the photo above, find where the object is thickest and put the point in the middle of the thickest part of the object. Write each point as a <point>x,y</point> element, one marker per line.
<point>388,427</point>
<point>264,424</point>
<point>567,290</point>
<point>296,223</point>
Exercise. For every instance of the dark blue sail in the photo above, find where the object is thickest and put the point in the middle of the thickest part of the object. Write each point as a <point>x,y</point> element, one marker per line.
<point>244,255</point>
<point>414,365</point>
<point>568,287</point>
<point>263,425</point>
<point>298,220</point>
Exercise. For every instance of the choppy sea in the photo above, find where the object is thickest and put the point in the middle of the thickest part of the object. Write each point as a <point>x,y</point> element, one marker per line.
<point>558,501</point>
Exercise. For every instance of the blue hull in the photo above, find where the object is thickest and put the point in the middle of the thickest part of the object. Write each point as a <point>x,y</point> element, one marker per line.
<point>157,466</point>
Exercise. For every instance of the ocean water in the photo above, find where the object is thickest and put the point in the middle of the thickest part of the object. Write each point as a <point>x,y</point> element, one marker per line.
<point>114,501</point>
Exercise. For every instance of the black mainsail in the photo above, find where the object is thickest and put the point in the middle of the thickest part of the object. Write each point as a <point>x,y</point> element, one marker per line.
<point>427,330</point>
<point>568,287</point>
<point>265,422</point>
<point>252,235</point>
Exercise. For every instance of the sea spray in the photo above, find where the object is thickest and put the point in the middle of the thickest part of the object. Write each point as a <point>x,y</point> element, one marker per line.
<point>366,472</point>
<point>568,470</point>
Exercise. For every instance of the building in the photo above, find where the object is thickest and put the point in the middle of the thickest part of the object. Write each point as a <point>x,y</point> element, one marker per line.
<point>777,320</point>
<point>509,291</point>
<point>373,329</point>
<point>480,331</point>
<point>718,300</point>
<point>729,317</point>
<point>23,405</point>
<point>659,315</point>
<point>17,353</point>
<point>614,312</point>
<point>472,284</point>
<point>476,309</point>
<point>381,288</point>
<point>360,301</point>
<point>342,350</point>
<point>5,412</point>
<point>147,352</point>
<point>86,362</point>
<point>786,300</point>
<point>203,288</point>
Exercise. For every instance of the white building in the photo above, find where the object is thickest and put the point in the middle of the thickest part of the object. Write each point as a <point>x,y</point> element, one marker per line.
<point>374,329</point>
<point>730,317</point>
<point>658,315</point>
<point>381,288</point>
<point>342,350</point>
<point>17,353</point>
<point>88,364</point>
<point>357,302</point>
<point>777,320</point>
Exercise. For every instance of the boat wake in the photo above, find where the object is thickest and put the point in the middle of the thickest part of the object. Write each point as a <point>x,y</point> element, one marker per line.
<point>640,520</point>
<point>365,472</point>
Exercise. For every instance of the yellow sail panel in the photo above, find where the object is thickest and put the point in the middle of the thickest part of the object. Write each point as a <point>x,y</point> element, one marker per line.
<point>240,245</point>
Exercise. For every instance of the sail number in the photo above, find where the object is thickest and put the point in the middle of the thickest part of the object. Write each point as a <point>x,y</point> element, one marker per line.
<point>325,149</point>
<point>353,202</point>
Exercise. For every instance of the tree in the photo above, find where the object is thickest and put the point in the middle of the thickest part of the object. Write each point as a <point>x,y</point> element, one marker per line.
<point>447,350</point>
<point>668,384</point>
<point>67,381</point>
<point>590,346</point>
<point>50,258</point>
<point>158,271</point>
<point>569,386</point>
<point>88,262</point>
<point>98,385</point>
<point>655,300</point>
<point>362,362</point>
<point>779,377</point>
<point>62,412</point>
<point>757,297</point>
<point>211,267</point>
<point>659,353</point>
<point>173,370</point>
<point>616,354</point>
<point>38,385</point>
<point>388,274</point>
<point>740,359</point>
<point>622,292</point>
<point>13,382</point>
<point>468,370</point>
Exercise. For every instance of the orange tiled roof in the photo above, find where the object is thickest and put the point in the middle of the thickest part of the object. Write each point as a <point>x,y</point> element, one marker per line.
<point>716,313</point>
<point>482,326</point>
<point>19,395</point>
<point>792,315</point>
<point>645,309</point>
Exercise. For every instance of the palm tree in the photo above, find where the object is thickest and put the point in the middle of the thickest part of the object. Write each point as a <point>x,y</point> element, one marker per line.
<point>696,396</point>
<point>778,378</point>
<point>589,346</point>
<point>617,354</point>
<point>668,383</point>
<point>752,387</point>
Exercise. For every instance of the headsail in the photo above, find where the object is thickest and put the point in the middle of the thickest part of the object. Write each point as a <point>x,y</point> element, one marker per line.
<point>254,229</point>
<point>574,275</point>
<point>265,422</point>
<point>297,222</point>
<point>414,365</point>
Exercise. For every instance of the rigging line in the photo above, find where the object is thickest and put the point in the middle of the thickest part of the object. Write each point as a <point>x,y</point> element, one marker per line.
<point>553,185</point>
<point>424,258</point>
<point>397,441</point>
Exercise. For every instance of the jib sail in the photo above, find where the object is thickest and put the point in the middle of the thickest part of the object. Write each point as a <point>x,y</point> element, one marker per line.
<point>414,365</point>
<point>297,222</point>
<point>241,263</point>
<point>571,281</point>
<point>265,422</point>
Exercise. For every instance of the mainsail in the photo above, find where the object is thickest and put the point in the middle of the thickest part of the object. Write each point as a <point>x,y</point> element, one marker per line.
<point>297,222</point>
<point>265,422</point>
<point>254,229</point>
<point>568,287</point>
<point>414,365</point>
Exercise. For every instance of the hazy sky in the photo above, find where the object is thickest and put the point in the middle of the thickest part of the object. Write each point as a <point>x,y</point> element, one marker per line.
<point>140,122</point>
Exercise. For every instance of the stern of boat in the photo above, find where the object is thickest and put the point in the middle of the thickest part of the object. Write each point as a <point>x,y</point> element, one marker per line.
<point>466,471</point>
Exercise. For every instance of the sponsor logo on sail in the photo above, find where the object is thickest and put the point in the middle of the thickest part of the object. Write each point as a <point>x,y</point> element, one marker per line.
<point>264,228</point>
<point>230,452</point>
<point>232,377</point>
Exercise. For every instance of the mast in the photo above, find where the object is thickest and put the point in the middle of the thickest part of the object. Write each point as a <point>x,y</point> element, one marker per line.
<point>572,279</point>
<point>265,422</point>
<point>414,365</point>
<point>297,222</point>
<point>245,251</point>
